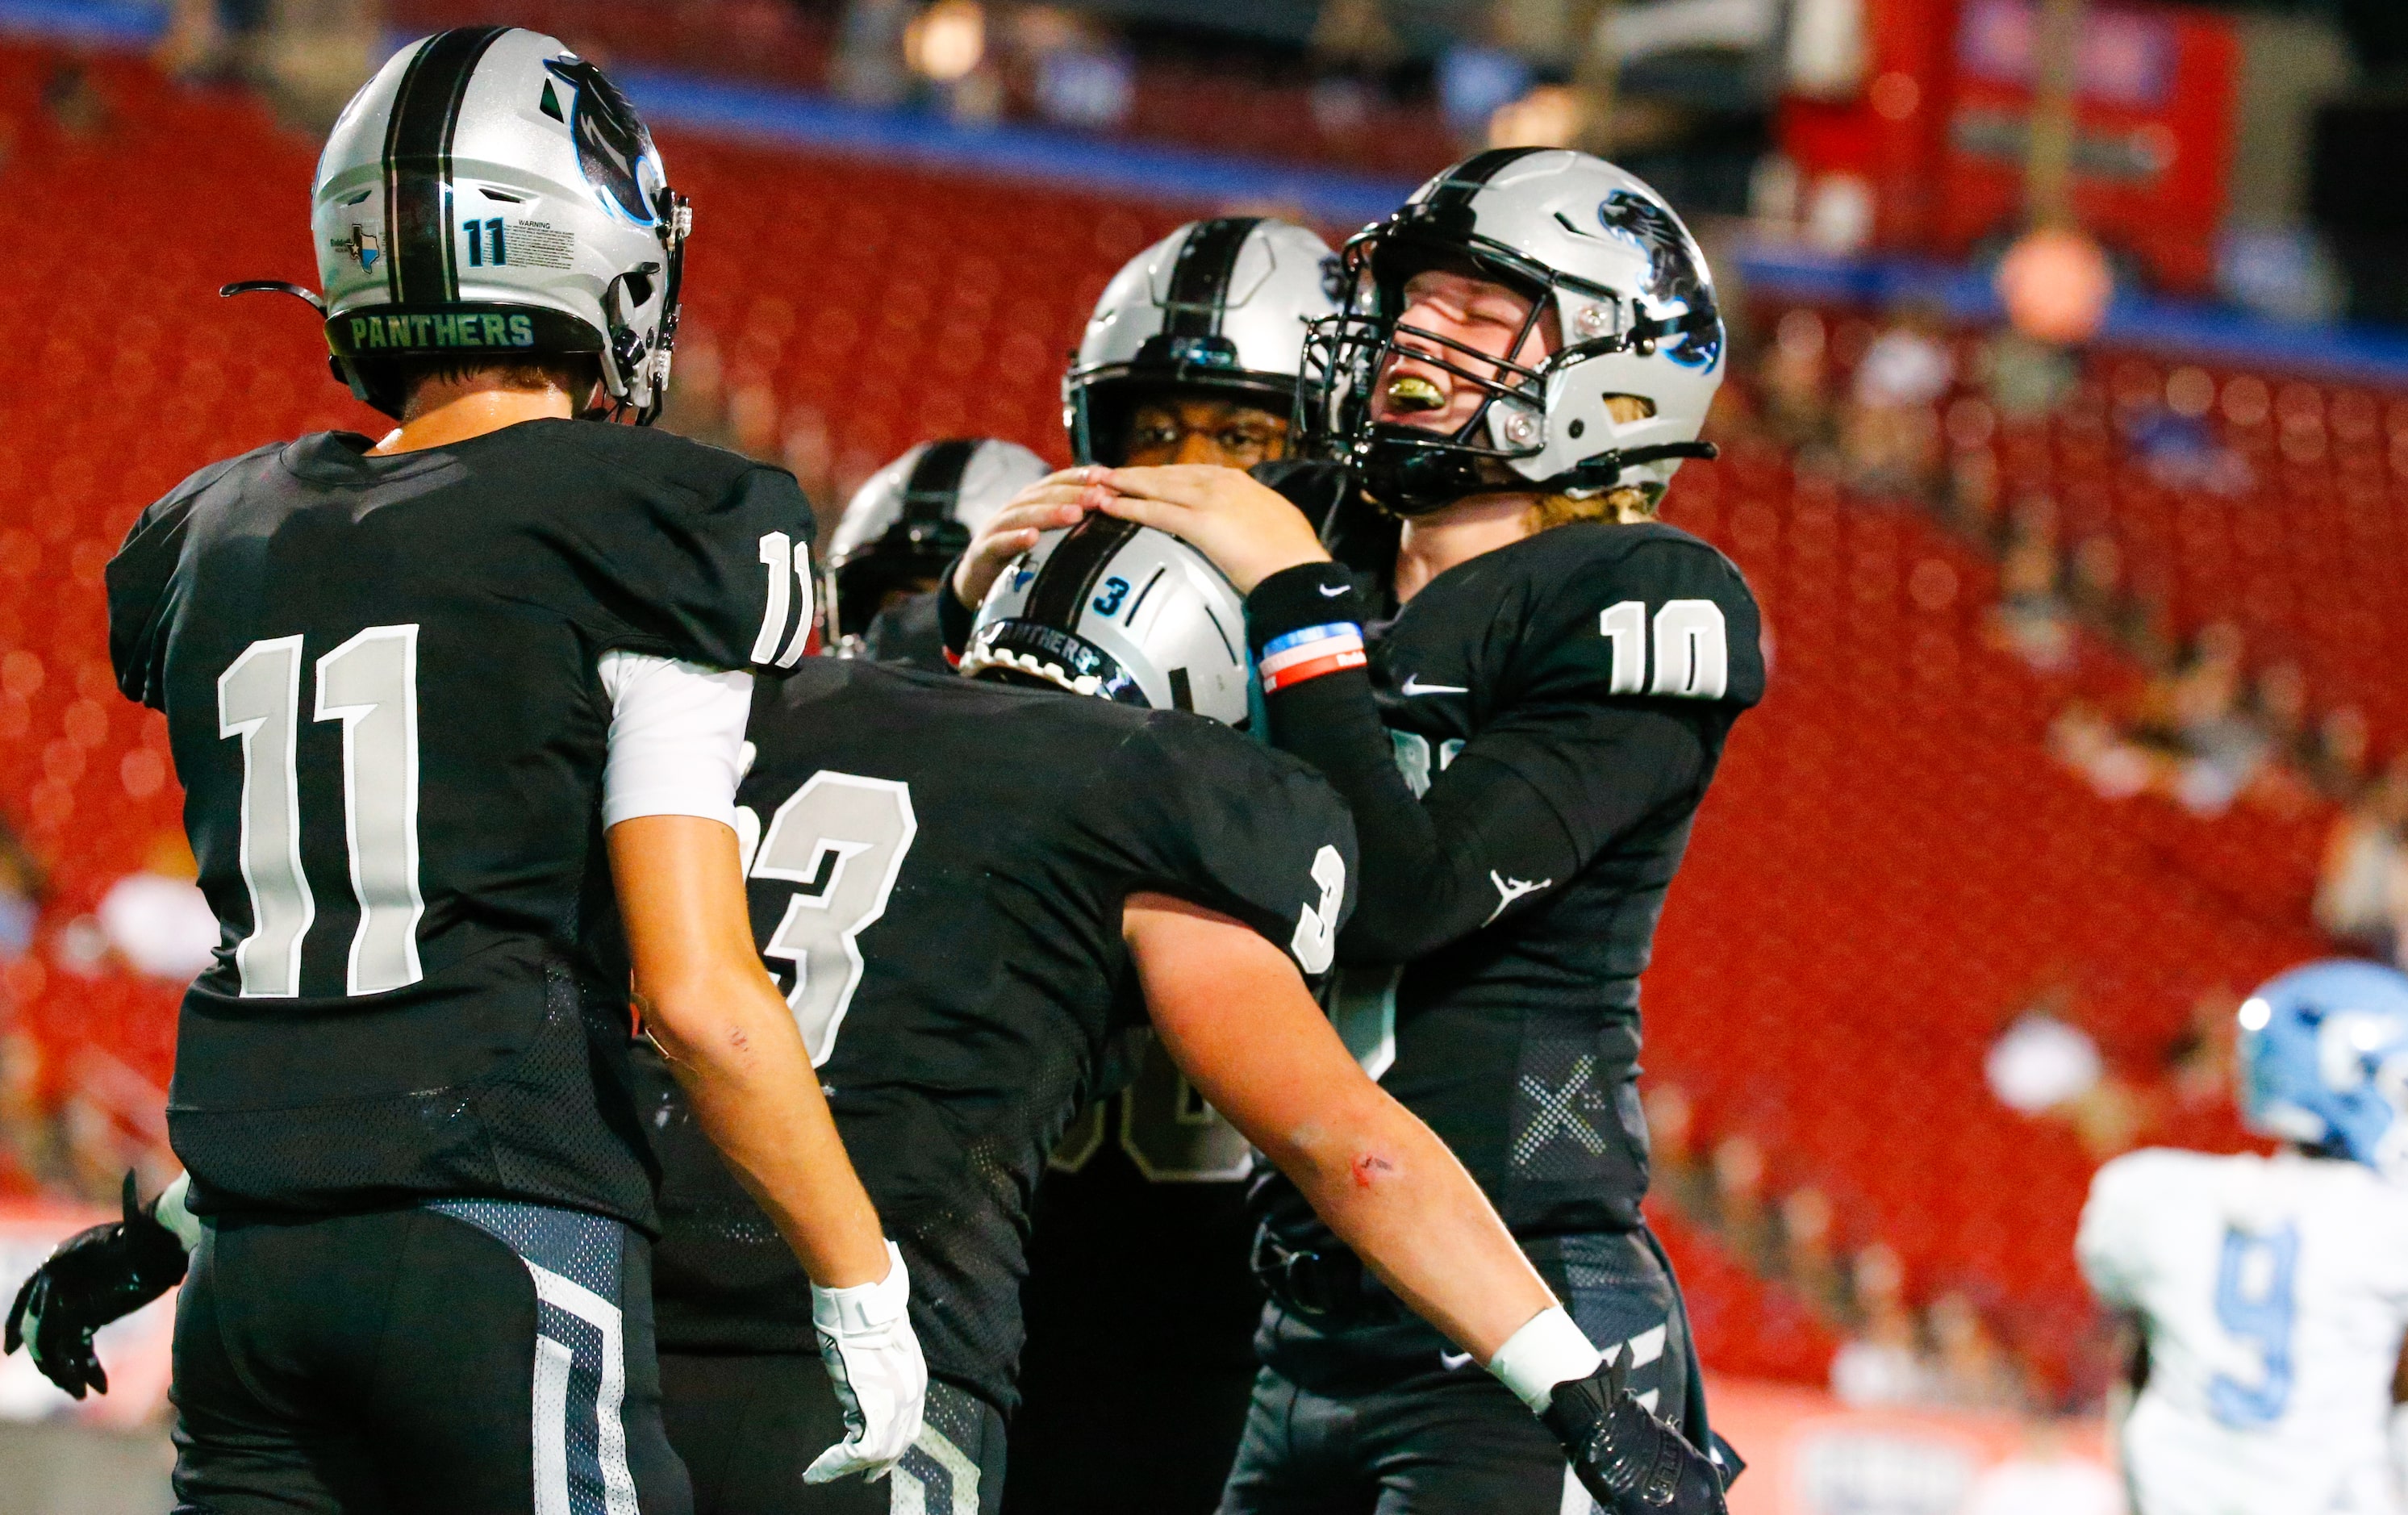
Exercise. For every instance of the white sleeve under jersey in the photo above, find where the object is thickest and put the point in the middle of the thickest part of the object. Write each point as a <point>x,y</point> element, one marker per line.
<point>676,737</point>
<point>2274,1294</point>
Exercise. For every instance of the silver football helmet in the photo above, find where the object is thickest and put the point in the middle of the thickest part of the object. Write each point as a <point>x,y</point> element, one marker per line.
<point>1217,305</point>
<point>913,516</point>
<point>1575,235</point>
<point>490,194</point>
<point>1123,611</point>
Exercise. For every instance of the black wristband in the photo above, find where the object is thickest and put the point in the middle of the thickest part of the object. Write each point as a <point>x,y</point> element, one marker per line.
<point>953,618</point>
<point>1292,599</point>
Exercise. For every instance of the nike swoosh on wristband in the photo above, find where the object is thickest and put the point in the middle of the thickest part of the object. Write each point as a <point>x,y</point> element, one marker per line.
<point>1413,685</point>
<point>1331,591</point>
<point>1451,1361</point>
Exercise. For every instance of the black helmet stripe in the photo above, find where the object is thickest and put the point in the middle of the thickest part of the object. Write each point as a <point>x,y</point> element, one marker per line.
<point>1200,276</point>
<point>1472,174</point>
<point>418,165</point>
<point>1071,573</point>
<point>935,486</point>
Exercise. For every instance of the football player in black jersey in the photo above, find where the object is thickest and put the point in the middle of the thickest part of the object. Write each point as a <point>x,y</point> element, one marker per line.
<point>1521,682</point>
<point>459,717</point>
<point>901,531</point>
<point>1190,357</point>
<point>981,894</point>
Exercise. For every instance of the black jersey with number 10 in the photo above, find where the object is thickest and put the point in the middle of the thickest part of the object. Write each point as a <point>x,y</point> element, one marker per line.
<point>381,681</point>
<point>938,885</point>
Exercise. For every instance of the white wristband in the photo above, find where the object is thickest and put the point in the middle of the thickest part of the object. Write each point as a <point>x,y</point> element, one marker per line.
<point>1549,1350</point>
<point>171,1213</point>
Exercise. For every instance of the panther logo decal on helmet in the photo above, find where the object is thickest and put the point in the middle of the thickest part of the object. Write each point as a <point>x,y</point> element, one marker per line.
<point>612,146</point>
<point>1673,275</point>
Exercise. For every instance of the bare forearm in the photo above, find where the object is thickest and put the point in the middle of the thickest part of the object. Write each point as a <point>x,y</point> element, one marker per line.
<point>1393,1193</point>
<point>750,1084</point>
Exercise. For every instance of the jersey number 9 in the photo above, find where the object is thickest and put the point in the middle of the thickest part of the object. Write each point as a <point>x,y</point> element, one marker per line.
<point>2255,1304</point>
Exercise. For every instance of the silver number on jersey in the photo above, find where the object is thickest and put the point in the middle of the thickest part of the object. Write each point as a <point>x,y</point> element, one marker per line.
<point>842,839</point>
<point>2254,1303</point>
<point>369,684</point>
<point>1315,941</point>
<point>1171,1135</point>
<point>789,573</point>
<point>259,700</point>
<point>1692,646</point>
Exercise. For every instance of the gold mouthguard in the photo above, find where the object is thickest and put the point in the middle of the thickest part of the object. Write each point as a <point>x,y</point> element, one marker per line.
<point>1411,392</point>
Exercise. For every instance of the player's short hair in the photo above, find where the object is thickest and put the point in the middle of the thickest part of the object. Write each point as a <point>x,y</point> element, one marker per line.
<point>576,373</point>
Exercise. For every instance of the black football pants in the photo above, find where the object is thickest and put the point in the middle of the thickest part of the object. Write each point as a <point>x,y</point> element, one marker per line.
<point>1386,1419</point>
<point>472,1356</point>
<point>748,1425</point>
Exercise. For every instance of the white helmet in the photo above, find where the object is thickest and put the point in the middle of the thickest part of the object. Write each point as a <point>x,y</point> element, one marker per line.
<point>1572,232</point>
<point>490,194</point>
<point>913,516</point>
<point>1115,610</point>
<point>1218,304</point>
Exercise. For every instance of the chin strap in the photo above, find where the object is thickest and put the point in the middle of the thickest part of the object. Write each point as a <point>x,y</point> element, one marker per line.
<point>1603,471</point>
<point>274,286</point>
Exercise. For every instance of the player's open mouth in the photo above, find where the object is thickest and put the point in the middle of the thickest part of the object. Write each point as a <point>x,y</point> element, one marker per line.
<point>1411,392</point>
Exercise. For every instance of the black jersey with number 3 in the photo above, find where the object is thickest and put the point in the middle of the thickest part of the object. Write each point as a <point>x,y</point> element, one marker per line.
<point>379,676</point>
<point>938,885</point>
<point>1542,723</point>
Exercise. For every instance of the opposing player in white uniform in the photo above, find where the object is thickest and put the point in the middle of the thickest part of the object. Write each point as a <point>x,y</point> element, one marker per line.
<point>2273,1291</point>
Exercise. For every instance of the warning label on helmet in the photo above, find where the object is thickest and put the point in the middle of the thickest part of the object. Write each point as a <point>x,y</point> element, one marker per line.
<point>540,244</point>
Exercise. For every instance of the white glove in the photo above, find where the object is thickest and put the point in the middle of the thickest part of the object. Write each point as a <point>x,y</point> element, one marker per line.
<point>873,1360</point>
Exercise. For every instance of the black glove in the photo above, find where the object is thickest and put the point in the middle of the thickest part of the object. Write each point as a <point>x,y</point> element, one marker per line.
<point>1630,1462</point>
<point>96,1276</point>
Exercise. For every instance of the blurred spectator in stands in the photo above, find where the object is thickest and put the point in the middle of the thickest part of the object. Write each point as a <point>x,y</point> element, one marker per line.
<point>1677,1176</point>
<point>2180,453</point>
<point>2223,747</point>
<point>20,896</point>
<point>306,57</point>
<point>809,454</point>
<point>2043,1065</point>
<point>1881,1363</point>
<point>1810,1258</point>
<point>1890,434</point>
<point>73,102</point>
<point>2033,618</point>
<point>698,402</point>
<point>1740,1213</point>
<point>1974,1372</point>
<point>2085,740</point>
<point>1071,69</point>
<point>157,921</point>
<point>2365,855</point>
<point>2278,703</point>
<point>2336,760</point>
<point>753,425</point>
<point>1353,45</point>
<point>867,68</point>
<point>29,1139</point>
<point>1796,383</point>
<point>2199,1063</point>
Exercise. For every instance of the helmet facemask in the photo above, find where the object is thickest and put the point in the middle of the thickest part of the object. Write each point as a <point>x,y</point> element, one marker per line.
<point>1410,470</point>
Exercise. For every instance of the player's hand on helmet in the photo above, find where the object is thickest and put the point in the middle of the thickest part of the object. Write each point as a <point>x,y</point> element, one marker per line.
<point>1248,529</point>
<point>96,1276</point>
<point>1052,503</point>
<point>1630,1461</point>
<point>873,1360</point>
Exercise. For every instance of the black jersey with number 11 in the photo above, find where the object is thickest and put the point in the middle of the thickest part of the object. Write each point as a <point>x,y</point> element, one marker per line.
<point>938,884</point>
<point>381,675</point>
